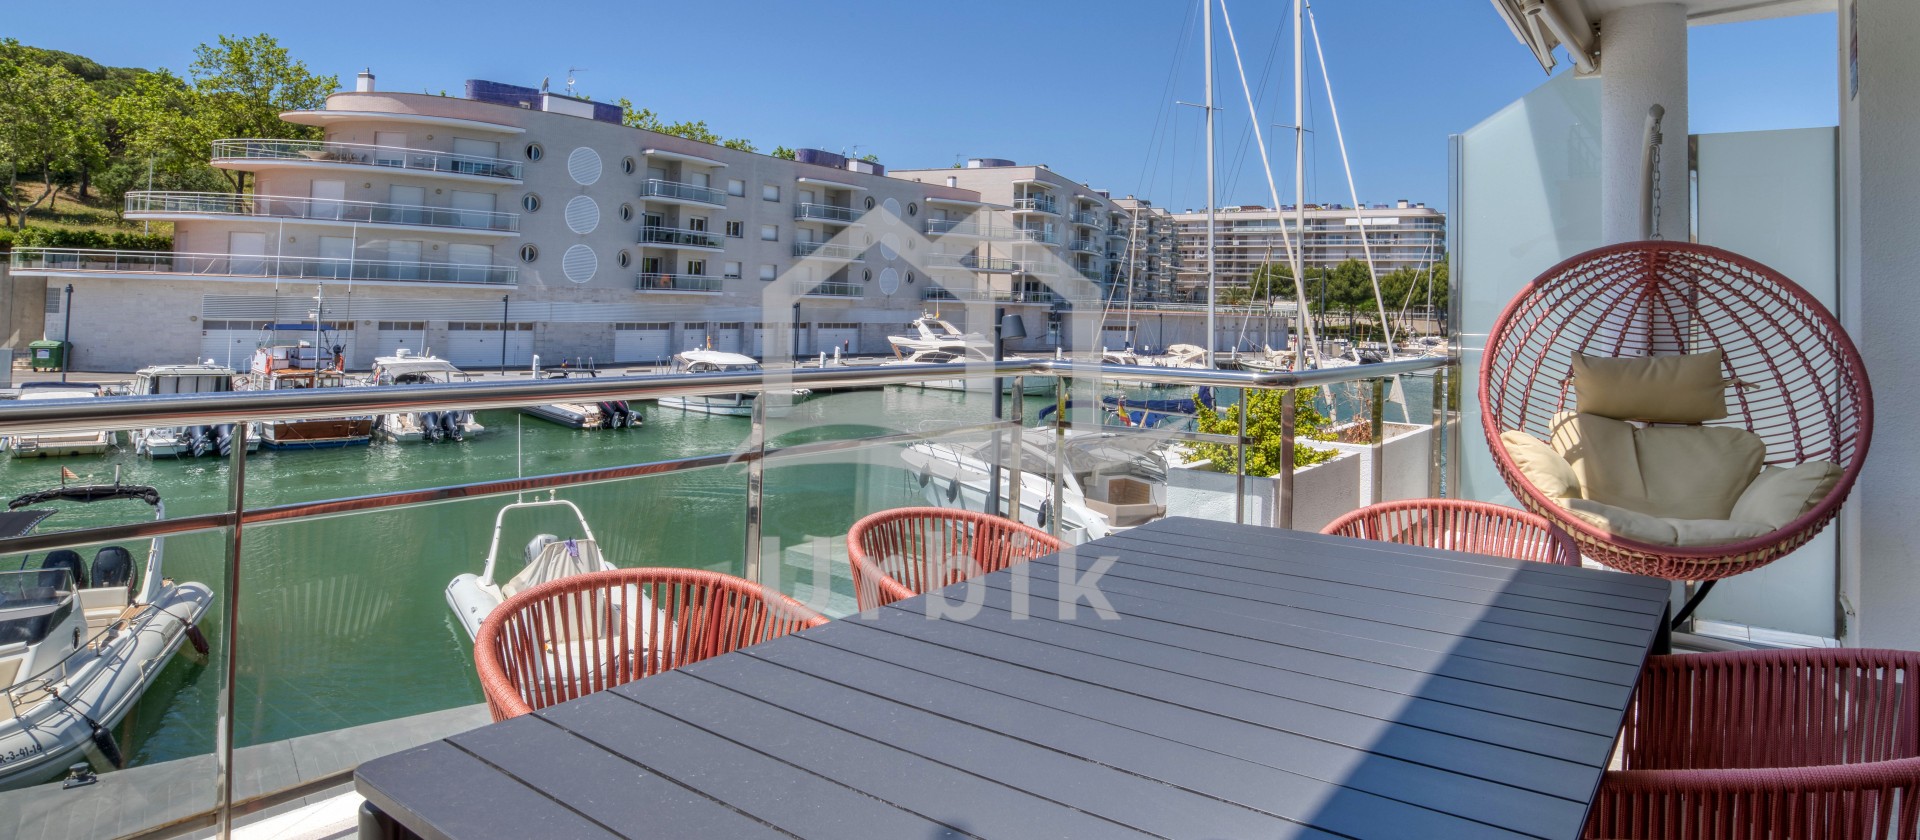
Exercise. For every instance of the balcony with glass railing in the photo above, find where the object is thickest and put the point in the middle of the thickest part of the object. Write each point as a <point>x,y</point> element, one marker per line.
<point>1088,219</point>
<point>1036,204</point>
<point>651,281</point>
<point>1040,235</point>
<point>1091,246</point>
<point>250,154</point>
<point>681,238</point>
<point>676,191</point>
<point>956,227</point>
<point>970,262</point>
<point>1038,268</point>
<point>200,205</point>
<point>78,261</point>
<point>831,288</point>
<point>828,251</point>
<point>825,213</point>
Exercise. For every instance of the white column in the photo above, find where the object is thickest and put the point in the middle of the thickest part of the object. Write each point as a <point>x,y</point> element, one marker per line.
<point>1879,258</point>
<point>1643,62</point>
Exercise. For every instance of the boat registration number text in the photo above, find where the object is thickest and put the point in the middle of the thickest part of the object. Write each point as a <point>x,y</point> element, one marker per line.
<point>23,752</point>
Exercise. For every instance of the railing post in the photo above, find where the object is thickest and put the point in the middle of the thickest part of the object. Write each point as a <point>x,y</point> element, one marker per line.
<point>1059,453</point>
<point>1376,440</point>
<point>756,476</point>
<point>1240,456</point>
<point>1289,409</point>
<point>230,651</point>
<point>1018,418</point>
<point>1434,461</point>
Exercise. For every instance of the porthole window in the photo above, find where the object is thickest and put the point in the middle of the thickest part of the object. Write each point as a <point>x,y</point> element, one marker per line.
<point>626,165</point>
<point>528,253</point>
<point>912,210</point>
<point>869,202</point>
<point>531,201</point>
<point>626,212</point>
<point>534,152</point>
<point>866,274</point>
<point>624,259</point>
<point>910,277</point>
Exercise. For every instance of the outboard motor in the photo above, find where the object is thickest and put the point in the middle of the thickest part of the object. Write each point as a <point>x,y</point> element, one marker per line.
<point>198,439</point>
<point>538,545</point>
<point>614,414</point>
<point>223,440</point>
<point>67,558</point>
<point>452,425</point>
<point>429,425</point>
<point>113,566</point>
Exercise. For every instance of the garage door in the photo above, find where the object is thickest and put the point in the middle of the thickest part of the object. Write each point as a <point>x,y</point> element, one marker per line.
<point>642,342</point>
<point>403,335</point>
<point>476,344</point>
<point>829,337</point>
<point>758,342</point>
<point>230,343</point>
<point>726,337</point>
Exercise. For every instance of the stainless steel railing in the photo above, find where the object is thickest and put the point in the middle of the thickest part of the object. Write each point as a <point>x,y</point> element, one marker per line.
<point>40,417</point>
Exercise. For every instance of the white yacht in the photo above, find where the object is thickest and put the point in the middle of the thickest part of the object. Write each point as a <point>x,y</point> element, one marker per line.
<point>54,444</point>
<point>734,405</point>
<point>79,641</point>
<point>1111,482</point>
<point>187,441</point>
<point>932,333</point>
<point>405,368</point>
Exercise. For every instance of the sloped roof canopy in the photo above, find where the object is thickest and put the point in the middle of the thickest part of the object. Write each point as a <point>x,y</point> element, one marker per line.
<point>1543,25</point>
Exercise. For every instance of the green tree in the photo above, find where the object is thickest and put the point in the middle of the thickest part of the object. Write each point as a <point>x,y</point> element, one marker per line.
<point>1264,454</point>
<point>870,157</point>
<point>783,153</point>
<point>741,144</point>
<point>161,120</point>
<point>50,121</point>
<point>243,85</point>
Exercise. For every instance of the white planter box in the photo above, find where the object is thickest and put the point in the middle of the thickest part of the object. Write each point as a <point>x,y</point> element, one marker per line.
<point>1321,493</point>
<point>1408,458</point>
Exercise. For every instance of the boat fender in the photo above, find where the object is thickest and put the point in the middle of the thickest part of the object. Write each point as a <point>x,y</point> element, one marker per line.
<point>197,639</point>
<point>102,739</point>
<point>926,475</point>
<point>1046,511</point>
<point>953,489</point>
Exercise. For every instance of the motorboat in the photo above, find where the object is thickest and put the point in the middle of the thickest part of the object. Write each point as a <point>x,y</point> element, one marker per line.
<point>733,405</point>
<point>187,441</point>
<point>962,355</point>
<point>405,368</point>
<point>606,414</point>
<point>1110,482</point>
<point>81,641</point>
<point>298,366</point>
<point>932,333</point>
<point>546,557</point>
<point>55,444</point>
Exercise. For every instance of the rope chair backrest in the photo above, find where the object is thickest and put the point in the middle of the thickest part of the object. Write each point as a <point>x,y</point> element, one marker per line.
<point>573,636</point>
<point>1793,377</point>
<point>900,553</point>
<point>1472,527</point>
<point>1788,743</point>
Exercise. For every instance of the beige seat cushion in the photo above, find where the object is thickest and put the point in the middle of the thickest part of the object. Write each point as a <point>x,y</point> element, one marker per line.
<point>1657,389</point>
<point>1657,530</point>
<point>1674,472</point>
<point>1781,494</point>
<point>1542,467</point>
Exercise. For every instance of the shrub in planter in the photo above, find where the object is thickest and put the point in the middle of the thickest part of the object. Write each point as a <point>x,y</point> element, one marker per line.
<point>1263,429</point>
<point>34,237</point>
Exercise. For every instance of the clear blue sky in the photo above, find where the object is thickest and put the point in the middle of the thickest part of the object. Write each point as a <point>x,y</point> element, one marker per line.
<point>1084,87</point>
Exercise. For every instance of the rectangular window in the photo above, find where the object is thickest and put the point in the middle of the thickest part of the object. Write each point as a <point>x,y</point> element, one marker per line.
<point>697,267</point>
<point>730,270</point>
<point>734,229</point>
<point>770,192</point>
<point>736,187</point>
<point>770,233</point>
<point>698,223</point>
<point>769,272</point>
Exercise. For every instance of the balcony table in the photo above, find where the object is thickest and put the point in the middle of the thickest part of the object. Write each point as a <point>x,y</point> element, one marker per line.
<point>1257,683</point>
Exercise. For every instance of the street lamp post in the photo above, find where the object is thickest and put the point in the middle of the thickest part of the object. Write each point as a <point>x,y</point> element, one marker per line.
<point>66,335</point>
<point>504,304</point>
<point>1005,328</point>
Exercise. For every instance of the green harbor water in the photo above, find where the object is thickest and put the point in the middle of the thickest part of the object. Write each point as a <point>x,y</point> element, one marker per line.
<point>344,620</point>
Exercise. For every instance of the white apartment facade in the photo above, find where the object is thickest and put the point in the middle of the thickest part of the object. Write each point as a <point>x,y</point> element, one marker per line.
<point>1149,254</point>
<point>515,223</point>
<point>1400,235</point>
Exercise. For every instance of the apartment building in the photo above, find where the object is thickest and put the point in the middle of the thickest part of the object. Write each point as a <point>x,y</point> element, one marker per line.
<point>1400,235</point>
<point>1056,237</point>
<point>514,222</point>
<point>1148,252</point>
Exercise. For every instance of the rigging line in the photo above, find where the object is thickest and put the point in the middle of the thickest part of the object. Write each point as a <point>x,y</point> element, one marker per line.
<point>1266,76</point>
<point>1265,164</point>
<point>1167,106</point>
<point>1366,245</point>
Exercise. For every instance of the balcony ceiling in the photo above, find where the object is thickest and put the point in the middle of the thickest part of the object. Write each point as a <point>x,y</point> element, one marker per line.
<point>325,118</point>
<point>1539,37</point>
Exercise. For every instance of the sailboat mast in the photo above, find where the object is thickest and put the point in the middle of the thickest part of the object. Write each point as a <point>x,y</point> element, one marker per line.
<point>1300,176</point>
<point>1212,279</point>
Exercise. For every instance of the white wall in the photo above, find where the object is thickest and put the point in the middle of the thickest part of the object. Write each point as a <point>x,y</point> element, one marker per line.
<point>1880,259</point>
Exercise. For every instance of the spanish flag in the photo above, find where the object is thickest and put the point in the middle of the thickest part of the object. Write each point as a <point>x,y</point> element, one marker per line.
<point>68,475</point>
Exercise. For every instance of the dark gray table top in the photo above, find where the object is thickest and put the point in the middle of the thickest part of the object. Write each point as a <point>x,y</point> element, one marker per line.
<point>1247,682</point>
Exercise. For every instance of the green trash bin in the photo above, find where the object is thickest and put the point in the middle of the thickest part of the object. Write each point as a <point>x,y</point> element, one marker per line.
<point>47,354</point>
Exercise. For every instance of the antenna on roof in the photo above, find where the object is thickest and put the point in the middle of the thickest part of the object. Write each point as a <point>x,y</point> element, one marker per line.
<point>543,83</point>
<point>570,72</point>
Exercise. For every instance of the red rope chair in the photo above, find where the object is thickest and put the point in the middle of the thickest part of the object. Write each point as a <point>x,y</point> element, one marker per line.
<point>577,635</point>
<point>903,552</point>
<point>1768,744</point>
<point>1473,527</point>
<point>1794,378</point>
